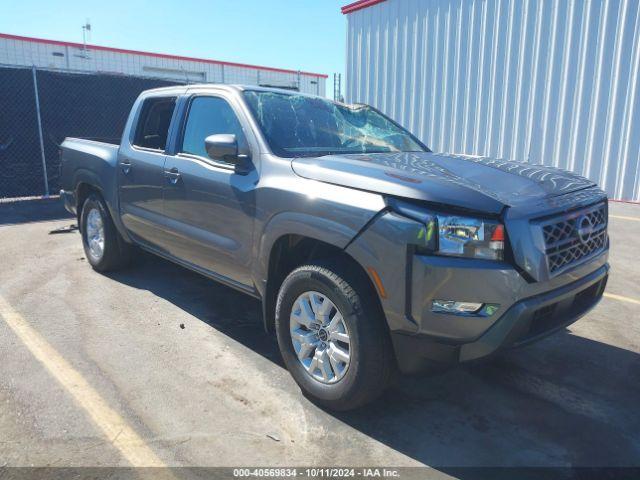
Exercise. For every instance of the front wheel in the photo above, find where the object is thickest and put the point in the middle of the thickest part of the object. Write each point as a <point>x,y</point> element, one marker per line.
<point>104,248</point>
<point>332,337</point>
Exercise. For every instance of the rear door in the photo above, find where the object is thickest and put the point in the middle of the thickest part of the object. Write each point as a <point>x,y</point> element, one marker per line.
<point>210,207</point>
<point>140,169</point>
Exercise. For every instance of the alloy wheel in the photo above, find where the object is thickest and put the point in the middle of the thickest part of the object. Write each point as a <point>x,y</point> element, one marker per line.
<point>95,233</point>
<point>320,337</point>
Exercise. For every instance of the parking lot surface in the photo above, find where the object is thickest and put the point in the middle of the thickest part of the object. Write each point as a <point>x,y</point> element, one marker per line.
<point>156,365</point>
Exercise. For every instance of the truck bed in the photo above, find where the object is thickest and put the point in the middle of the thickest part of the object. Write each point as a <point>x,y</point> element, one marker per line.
<point>91,162</point>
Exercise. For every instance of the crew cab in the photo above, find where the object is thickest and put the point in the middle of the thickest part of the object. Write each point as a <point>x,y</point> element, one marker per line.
<point>370,253</point>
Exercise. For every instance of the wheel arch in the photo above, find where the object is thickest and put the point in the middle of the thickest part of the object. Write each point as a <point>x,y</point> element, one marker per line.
<point>82,192</point>
<point>290,251</point>
<point>87,182</point>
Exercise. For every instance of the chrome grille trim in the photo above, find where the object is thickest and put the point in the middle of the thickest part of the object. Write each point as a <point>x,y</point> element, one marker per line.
<point>573,237</point>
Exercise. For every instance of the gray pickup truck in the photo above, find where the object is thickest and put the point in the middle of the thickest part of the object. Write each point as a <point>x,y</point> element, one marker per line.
<point>370,253</point>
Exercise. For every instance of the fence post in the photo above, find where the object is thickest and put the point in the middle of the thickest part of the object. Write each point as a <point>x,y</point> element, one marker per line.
<point>44,162</point>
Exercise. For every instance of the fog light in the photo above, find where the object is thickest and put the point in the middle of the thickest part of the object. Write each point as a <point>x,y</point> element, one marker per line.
<point>472,309</point>
<point>451,306</point>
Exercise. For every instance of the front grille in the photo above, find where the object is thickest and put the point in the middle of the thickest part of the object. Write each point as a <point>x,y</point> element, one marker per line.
<point>574,236</point>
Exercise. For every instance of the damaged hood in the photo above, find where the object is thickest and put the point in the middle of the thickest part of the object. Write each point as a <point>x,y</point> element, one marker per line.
<point>476,183</point>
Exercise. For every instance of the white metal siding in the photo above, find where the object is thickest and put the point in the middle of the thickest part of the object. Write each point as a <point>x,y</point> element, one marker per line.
<point>28,53</point>
<point>551,82</point>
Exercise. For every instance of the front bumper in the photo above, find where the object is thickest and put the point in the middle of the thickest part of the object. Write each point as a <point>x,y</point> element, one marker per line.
<point>524,322</point>
<point>422,336</point>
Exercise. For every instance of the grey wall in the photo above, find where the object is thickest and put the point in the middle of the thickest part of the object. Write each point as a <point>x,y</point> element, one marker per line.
<point>51,54</point>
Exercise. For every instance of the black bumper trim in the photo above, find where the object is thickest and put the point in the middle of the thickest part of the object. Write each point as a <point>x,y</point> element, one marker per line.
<point>518,325</point>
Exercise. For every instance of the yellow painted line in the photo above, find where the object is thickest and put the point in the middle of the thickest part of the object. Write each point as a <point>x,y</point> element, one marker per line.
<point>115,428</point>
<point>613,296</point>
<point>622,217</point>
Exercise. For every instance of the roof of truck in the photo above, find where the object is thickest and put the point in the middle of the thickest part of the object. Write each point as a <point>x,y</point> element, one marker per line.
<point>179,89</point>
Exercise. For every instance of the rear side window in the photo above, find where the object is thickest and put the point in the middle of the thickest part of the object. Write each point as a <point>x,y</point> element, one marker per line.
<point>209,116</point>
<point>153,123</point>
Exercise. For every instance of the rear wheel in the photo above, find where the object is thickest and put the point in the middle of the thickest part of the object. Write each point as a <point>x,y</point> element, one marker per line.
<point>332,337</point>
<point>103,246</point>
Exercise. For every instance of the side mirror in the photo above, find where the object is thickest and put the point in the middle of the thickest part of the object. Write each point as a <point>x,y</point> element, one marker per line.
<point>223,147</point>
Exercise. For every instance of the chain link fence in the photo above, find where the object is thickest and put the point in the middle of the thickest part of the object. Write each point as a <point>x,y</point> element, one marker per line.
<point>39,108</point>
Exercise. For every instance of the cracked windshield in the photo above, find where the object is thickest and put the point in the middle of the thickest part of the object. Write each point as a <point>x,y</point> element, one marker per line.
<point>298,125</point>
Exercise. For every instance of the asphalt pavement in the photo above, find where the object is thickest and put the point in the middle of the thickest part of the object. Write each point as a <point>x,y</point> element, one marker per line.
<point>156,365</point>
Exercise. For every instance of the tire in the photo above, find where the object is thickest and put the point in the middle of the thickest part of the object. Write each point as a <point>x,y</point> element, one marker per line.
<point>370,362</point>
<point>97,229</point>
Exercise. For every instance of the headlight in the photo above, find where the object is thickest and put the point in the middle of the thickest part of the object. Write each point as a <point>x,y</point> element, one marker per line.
<point>454,235</point>
<point>470,237</point>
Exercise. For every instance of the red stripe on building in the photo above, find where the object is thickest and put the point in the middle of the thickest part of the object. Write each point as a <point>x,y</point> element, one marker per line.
<point>158,55</point>
<point>359,5</point>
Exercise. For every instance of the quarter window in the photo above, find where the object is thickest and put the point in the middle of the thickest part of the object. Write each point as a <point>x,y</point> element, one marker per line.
<point>209,116</point>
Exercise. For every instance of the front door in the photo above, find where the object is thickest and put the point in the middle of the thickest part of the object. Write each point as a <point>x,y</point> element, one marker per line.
<point>209,206</point>
<point>140,171</point>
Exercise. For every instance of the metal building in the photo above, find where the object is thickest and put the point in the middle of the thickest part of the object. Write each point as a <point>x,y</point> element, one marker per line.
<point>551,82</point>
<point>52,54</point>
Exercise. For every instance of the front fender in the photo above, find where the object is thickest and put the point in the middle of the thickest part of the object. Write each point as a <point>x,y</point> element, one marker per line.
<point>387,247</point>
<point>333,214</point>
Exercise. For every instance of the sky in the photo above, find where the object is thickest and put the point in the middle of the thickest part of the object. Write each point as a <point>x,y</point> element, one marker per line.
<point>306,35</point>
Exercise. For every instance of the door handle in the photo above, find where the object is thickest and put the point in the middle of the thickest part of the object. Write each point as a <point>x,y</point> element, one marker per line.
<point>173,175</point>
<point>126,167</point>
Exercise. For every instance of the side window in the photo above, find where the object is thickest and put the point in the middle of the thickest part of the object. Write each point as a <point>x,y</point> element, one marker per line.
<point>209,116</point>
<point>153,123</point>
